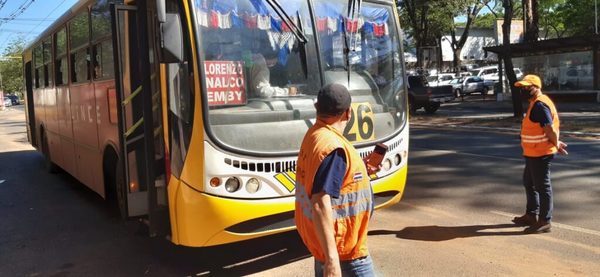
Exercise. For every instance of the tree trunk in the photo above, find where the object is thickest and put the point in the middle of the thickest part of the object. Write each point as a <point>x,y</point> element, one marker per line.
<point>456,63</point>
<point>531,19</point>
<point>508,65</point>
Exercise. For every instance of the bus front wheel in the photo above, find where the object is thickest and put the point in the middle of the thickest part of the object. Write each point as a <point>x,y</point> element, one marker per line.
<point>121,190</point>
<point>115,184</point>
<point>432,107</point>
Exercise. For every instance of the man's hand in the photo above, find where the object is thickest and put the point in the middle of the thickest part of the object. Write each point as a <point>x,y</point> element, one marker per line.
<point>332,269</point>
<point>371,169</point>
<point>562,148</point>
<point>292,91</point>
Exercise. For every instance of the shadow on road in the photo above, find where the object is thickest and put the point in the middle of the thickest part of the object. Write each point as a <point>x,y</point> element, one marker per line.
<point>443,233</point>
<point>237,259</point>
<point>41,211</point>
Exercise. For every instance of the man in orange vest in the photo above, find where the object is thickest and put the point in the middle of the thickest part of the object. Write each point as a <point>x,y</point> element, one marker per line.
<point>334,200</point>
<point>540,142</point>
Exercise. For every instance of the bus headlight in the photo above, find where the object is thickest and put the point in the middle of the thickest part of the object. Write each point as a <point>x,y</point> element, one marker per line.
<point>387,164</point>
<point>232,184</point>
<point>397,159</point>
<point>253,185</point>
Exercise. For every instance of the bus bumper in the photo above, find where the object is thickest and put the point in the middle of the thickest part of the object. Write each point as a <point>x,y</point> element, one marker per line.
<point>199,219</point>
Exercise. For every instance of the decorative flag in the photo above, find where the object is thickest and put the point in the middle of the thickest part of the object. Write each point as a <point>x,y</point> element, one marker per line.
<point>321,24</point>
<point>251,21</point>
<point>263,22</point>
<point>224,20</point>
<point>332,24</point>
<point>202,18</point>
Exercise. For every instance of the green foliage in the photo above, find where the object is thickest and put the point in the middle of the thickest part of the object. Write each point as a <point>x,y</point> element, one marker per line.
<point>485,21</point>
<point>578,17</point>
<point>428,20</point>
<point>11,67</point>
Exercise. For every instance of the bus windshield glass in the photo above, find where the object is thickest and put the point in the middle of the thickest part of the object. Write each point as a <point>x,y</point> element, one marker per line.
<point>260,81</point>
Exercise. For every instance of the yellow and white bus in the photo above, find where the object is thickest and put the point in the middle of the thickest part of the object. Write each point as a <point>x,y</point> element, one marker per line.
<point>190,113</point>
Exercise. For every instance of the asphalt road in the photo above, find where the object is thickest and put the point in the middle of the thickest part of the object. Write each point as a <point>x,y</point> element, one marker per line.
<point>454,219</point>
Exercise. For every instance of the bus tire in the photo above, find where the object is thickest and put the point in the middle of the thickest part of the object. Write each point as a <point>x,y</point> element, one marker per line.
<point>110,167</point>
<point>49,166</point>
<point>121,189</point>
<point>432,107</point>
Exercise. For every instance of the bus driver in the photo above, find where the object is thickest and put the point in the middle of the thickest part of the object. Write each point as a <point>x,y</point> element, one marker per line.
<point>267,76</point>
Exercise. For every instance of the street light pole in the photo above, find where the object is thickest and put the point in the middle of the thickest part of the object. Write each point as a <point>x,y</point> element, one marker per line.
<point>596,15</point>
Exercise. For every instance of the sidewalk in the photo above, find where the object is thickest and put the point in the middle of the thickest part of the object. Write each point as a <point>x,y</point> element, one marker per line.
<point>580,117</point>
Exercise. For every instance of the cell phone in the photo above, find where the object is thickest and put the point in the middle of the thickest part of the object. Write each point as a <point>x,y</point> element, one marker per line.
<point>376,157</point>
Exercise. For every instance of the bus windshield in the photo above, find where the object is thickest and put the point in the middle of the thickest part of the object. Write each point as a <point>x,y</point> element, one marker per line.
<point>261,81</point>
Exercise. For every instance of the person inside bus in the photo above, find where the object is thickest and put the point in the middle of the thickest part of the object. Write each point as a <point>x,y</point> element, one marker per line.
<point>268,77</point>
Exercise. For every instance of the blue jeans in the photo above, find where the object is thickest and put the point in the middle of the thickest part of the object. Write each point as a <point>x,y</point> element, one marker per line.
<point>356,267</point>
<point>538,187</point>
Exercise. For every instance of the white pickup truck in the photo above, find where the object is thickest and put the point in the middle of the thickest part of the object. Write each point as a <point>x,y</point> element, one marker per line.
<point>490,75</point>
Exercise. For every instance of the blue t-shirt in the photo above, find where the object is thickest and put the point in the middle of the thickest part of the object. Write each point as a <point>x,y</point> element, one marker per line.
<point>541,114</point>
<point>330,174</point>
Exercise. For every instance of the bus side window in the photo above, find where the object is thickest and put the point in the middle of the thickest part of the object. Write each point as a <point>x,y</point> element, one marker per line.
<point>102,52</point>
<point>80,66</point>
<point>103,60</point>
<point>47,44</point>
<point>79,33</point>
<point>38,61</point>
<point>61,66</point>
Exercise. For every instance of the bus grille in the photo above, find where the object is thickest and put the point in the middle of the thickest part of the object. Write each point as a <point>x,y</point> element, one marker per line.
<point>284,166</point>
<point>280,166</point>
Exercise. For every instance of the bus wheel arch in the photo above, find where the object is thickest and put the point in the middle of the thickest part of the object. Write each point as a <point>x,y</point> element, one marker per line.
<point>49,166</point>
<point>114,183</point>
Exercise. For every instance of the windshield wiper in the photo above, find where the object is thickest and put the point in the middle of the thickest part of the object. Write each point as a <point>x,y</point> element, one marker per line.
<point>346,51</point>
<point>353,9</point>
<point>302,48</point>
<point>298,33</point>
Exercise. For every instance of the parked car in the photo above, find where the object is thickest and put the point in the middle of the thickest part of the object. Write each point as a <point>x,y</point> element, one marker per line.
<point>467,85</point>
<point>440,79</point>
<point>13,98</point>
<point>490,73</point>
<point>421,95</point>
<point>7,102</point>
<point>486,71</point>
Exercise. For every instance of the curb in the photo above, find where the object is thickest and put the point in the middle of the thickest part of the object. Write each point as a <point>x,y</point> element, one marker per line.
<point>485,128</point>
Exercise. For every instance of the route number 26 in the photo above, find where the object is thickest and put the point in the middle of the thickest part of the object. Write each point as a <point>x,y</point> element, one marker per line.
<point>360,126</point>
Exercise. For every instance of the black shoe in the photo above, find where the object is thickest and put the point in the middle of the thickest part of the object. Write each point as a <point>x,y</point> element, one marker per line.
<point>525,220</point>
<point>539,227</point>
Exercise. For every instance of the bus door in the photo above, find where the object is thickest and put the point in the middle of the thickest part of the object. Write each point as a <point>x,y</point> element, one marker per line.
<point>29,104</point>
<point>140,121</point>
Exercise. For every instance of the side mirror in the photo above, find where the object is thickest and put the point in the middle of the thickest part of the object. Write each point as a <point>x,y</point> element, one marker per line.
<point>171,39</point>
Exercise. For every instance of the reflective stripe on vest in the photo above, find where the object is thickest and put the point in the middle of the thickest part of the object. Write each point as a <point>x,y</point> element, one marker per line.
<point>303,201</point>
<point>534,141</point>
<point>346,205</point>
<point>352,204</point>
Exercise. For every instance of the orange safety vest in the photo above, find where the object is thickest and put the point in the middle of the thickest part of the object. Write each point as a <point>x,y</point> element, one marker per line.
<point>351,211</point>
<point>534,141</point>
